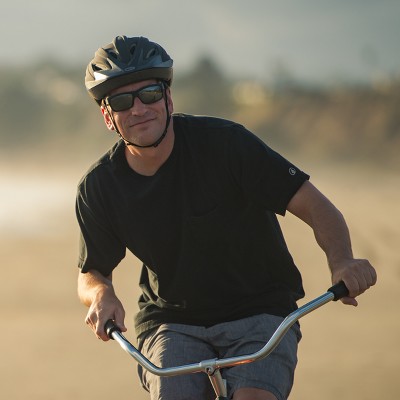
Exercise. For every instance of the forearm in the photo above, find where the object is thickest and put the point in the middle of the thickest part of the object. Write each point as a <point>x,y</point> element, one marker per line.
<point>327,222</point>
<point>332,235</point>
<point>91,285</point>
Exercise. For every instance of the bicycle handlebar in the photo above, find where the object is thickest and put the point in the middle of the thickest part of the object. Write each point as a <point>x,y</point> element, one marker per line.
<point>334,293</point>
<point>339,291</point>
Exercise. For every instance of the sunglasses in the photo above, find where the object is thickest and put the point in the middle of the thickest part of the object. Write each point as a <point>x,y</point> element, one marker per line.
<point>147,95</point>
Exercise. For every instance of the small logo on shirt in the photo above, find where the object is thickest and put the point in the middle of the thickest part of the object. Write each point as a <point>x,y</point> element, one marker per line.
<point>292,171</point>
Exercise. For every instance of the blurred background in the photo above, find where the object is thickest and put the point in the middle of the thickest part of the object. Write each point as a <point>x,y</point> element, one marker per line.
<point>319,81</point>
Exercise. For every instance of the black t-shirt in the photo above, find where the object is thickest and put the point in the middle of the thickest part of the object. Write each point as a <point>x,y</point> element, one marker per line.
<point>204,225</point>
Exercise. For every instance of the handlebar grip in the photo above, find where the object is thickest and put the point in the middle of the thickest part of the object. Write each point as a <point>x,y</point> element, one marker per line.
<point>110,327</point>
<point>339,291</point>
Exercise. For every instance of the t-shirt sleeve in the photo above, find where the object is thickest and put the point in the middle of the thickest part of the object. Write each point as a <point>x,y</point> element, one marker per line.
<point>265,176</point>
<point>99,246</point>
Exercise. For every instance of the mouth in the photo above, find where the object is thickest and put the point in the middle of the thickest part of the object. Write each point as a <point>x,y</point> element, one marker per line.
<point>140,123</point>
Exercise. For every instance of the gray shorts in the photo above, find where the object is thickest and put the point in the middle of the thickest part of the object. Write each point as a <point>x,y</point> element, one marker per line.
<point>177,344</point>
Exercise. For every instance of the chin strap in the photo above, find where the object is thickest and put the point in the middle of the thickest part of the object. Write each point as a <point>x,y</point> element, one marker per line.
<point>159,140</point>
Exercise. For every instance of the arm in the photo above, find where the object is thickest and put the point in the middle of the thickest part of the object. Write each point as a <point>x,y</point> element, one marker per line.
<point>97,292</point>
<point>333,237</point>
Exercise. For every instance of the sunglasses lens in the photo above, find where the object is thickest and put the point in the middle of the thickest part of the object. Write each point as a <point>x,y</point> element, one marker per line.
<point>150,94</point>
<point>121,102</point>
<point>147,95</point>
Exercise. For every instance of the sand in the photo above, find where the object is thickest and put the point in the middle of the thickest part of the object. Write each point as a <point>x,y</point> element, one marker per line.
<point>48,353</point>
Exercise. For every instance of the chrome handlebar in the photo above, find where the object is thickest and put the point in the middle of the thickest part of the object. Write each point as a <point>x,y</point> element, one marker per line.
<point>211,367</point>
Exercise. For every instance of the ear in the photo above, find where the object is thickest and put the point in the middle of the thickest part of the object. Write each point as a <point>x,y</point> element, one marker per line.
<point>107,119</point>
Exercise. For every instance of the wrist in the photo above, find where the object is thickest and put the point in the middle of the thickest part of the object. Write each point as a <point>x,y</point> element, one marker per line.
<point>102,289</point>
<point>339,262</point>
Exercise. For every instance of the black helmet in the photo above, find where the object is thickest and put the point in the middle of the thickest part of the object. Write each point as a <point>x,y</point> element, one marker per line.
<point>124,61</point>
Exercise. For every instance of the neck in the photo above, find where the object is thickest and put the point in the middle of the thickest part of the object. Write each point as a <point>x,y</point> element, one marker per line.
<point>147,161</point>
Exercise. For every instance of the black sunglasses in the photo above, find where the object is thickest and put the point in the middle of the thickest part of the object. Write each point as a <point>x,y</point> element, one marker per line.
<point>147,95</point>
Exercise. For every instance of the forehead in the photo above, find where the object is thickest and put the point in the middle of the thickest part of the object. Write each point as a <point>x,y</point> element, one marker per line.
<point>131,87</point>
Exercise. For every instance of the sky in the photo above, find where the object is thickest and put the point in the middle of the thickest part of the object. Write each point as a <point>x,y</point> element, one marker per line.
<point>312,40</point>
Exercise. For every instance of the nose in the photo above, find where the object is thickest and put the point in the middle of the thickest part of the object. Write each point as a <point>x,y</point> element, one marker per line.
<point>138,108</point>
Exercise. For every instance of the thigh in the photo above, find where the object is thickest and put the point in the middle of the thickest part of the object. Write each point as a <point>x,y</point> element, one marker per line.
<point>274,373</point>
<point>174,345</point>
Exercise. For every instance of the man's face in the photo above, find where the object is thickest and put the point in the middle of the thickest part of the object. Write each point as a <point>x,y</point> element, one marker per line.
<point>141,124</point>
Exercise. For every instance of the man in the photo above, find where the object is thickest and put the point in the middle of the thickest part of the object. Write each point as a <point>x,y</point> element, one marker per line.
<point>195,199</point>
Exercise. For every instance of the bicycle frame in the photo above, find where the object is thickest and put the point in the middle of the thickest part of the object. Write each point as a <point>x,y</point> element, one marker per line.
<point>212,367</point>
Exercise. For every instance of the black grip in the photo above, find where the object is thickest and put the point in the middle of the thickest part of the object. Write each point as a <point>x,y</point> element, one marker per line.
<point>339,290</point>
<point>110,327</point>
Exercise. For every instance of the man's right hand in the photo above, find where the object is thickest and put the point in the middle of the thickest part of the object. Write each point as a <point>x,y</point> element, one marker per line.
<point>97,292</point>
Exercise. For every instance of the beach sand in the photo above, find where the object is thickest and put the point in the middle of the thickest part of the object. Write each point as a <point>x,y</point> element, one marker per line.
<point>48,353</point>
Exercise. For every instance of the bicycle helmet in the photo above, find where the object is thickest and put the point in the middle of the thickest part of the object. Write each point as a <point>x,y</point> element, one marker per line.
<point>124,61</point>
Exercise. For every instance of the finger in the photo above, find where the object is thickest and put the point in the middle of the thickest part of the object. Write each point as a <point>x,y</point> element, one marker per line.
<point>349,301</point>
<point>100,331</point>
<point>373,276</point>
<point>94,327</point>
<point>91,321</point>
<point>368,272</point>
<point>96,323</point>
<point>369,276</point>
<point>352,285</point>
<point>119,319</point>
<point>363,284</point>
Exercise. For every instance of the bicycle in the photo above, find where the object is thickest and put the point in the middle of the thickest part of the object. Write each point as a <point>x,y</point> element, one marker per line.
<point>212,367</point>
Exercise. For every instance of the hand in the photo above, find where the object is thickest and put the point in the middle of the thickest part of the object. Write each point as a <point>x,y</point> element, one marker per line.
<point>105,306</point>
<point>358,276</point>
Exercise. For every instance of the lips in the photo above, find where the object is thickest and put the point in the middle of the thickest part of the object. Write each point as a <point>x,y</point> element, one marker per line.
<point>139,123</point>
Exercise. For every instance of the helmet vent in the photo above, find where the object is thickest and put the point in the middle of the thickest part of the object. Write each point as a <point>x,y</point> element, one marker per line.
<point>96,68</point>
<point>151,53</point>
<point>133,48</point>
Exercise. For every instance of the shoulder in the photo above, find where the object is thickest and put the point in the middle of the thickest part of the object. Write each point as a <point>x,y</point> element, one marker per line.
<point>207,130</point>
<point>103,167</point>
<point>203,122</point>
<point>220,136</point>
